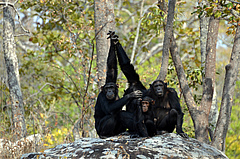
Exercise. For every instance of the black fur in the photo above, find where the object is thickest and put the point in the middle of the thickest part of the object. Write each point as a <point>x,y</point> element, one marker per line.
<point>167,109</point>
<point>110,120</point>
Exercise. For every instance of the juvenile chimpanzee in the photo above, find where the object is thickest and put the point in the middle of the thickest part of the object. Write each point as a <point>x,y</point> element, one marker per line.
<point>146,115</point>
<point>167,109</point>
<point>110,120</point>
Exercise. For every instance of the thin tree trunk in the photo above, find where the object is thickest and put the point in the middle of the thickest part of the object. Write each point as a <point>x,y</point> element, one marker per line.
<point>186,90</point>
<point>198,116</point>
<point>204,21</point>
<point>213,115</point>
<point>104,21</point>
<point>202,130</point>
<point>227,96</point>
<point>18,127</point>
<point>167,39</point>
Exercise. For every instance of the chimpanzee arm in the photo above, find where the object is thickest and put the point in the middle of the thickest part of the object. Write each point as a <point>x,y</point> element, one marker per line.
<point>174,100</point>
<point>110,107</point>
<point>125,65</point>
<point>175,104</point>
<point>111,65</point>
<point>128,70</point>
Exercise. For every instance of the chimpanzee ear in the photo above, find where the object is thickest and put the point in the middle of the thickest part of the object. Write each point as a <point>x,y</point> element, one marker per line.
<point>153,102</point>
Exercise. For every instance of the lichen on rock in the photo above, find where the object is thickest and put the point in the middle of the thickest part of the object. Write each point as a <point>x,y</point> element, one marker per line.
<point>162,146</point>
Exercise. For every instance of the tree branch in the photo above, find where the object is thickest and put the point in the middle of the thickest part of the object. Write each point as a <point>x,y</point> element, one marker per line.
<point>227,95</point>
<point>167,40</point>
<point>13,6</point>
<point>234,2</point>
<point>138,28</point>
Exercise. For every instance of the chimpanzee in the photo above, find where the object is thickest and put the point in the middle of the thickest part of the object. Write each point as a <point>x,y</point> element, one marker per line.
<point>146,115</point>
<point>110,120</point>
<point>134,85</point>
<point>167,109</point>
<point>131,75</point>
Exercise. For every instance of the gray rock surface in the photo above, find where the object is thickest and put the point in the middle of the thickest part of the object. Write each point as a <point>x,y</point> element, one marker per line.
<point>159,147</point>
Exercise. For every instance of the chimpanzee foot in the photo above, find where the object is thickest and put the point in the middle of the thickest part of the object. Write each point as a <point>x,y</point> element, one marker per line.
<point>134,136</point>
<point>102,137</point>
<point>161,132</point>
<point>184,135</point>
<point>124,133</point>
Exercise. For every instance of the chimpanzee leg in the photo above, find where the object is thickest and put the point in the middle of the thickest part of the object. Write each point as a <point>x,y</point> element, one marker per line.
<point>169,122</point>
<point>151,129</point>
<point>128,120</point>
<point>120,127</point>
<point>141,127</point>
<point>107,126</point>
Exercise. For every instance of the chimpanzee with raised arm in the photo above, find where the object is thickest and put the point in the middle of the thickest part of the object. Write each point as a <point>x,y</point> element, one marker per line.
<point>135,84</point>
<point>110,120</point>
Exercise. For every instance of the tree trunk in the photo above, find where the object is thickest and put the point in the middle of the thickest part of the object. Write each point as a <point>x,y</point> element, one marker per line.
<point>199,117</point>
<point>227,96</point>
<point>18,127</point>
<point>186,90</point>
<point>201,131</point>
<point>213,115</point>
<point>167,39</point>
<point>104,21</point>
<point>204,21</point>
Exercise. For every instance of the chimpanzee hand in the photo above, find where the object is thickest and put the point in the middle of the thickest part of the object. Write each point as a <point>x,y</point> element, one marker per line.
<point>113,37</point>
<point>135,94</point>
<point>110,33</point>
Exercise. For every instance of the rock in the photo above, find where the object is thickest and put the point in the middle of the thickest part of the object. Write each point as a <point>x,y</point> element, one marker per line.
<point>162,146</point>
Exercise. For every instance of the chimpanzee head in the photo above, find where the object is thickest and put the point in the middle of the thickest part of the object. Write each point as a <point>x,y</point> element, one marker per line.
<point>110,89</point>
<point>158,87</point>
<point>133,87</point>
<point>146,103</point>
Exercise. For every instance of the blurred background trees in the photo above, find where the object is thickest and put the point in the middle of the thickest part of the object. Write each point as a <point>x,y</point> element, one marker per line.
<point>59,71</point>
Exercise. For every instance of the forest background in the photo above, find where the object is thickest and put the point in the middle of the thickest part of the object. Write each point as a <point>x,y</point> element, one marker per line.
<point>59,74</point>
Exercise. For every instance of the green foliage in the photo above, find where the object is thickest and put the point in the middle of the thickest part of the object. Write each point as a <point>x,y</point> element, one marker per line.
<point>221,9</point>
<point>152,21</point>
<point>57,136</point>
<point>59,90</point>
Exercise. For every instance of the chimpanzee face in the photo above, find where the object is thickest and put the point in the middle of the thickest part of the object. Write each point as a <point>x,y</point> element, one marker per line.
<point>158,88</point>
<point>110,90</point>
<point>145,105</point>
